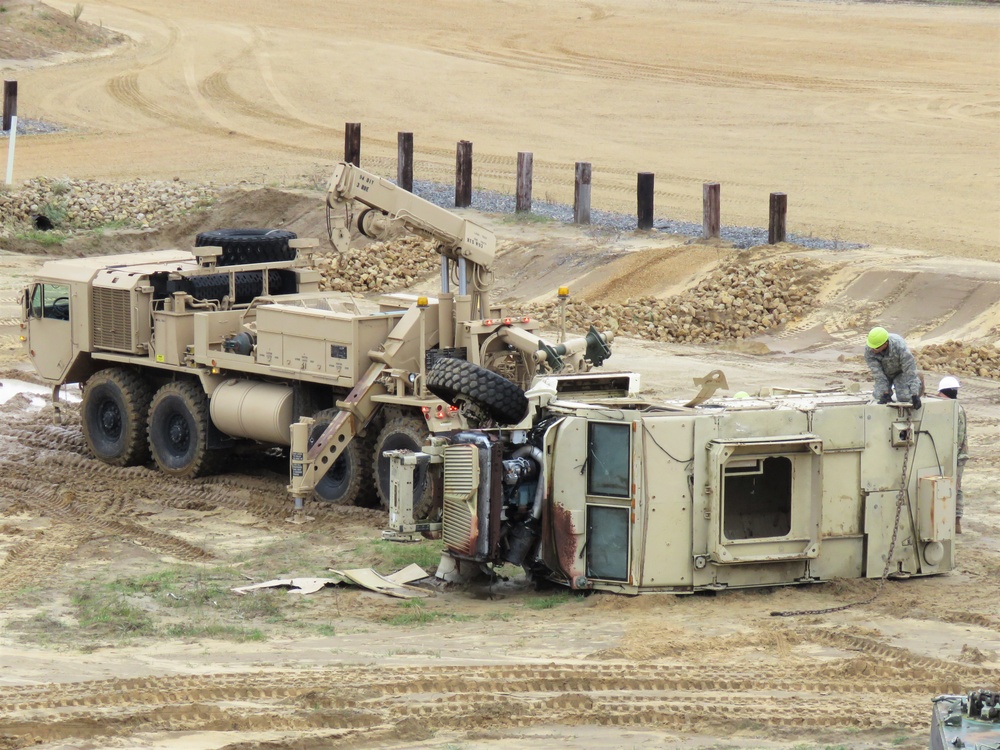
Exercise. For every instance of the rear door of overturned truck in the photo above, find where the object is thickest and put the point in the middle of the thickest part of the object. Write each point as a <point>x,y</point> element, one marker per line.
<point>751,493</point>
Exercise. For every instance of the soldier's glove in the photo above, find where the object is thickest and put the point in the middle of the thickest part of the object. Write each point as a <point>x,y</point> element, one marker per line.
<point>916,402</point>
<point>884,398</point>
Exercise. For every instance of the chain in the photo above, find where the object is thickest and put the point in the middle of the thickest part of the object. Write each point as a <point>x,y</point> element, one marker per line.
<point>900,499</point>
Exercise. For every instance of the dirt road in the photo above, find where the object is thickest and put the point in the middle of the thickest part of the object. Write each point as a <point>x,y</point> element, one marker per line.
<point>878,120</point>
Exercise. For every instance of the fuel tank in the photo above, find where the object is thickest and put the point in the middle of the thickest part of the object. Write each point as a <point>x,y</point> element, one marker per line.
<point>253,409</point>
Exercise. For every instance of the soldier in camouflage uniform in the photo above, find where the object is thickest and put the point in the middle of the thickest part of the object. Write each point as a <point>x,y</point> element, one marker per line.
<point>893,368</point>
<point>948,388</point>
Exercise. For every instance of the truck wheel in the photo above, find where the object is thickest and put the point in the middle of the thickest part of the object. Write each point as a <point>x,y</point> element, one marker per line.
<point>178,430</point>
<point>455,380</point>
<point>115,408</point>
<point>241,246</point>
<point>404,432</point>
<point>349,480</point>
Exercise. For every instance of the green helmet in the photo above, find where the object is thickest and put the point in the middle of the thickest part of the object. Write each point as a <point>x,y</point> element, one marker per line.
<point>876,337</point>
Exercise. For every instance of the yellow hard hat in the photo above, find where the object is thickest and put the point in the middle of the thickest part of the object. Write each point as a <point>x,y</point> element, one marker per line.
<point>877,336</point>
<point>741,394</point>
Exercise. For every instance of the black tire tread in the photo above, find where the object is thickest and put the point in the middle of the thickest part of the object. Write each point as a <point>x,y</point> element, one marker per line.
<point>137,394</point>
<point>454,380</point>
<point>242,246</point>
<point>360,490</point>
<point>205,461</point>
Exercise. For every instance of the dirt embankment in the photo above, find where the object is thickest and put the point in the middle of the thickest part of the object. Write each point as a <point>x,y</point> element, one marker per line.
<point>35,31</point>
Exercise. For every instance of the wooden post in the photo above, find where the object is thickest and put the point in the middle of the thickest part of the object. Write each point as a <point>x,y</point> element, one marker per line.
<point>581,193</point>
<point>352,143</point>
<point>9,102</point>
<point>711,222</point>
<point>525,161</point>
<point>463,175</point>
<point>404,160</point>
<point>644,200</point>
<point>776,223</point>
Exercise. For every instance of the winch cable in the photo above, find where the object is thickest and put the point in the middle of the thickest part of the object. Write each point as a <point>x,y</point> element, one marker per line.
<point>900,499</point>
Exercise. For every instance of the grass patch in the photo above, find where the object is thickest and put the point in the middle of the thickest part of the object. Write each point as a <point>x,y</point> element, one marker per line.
<point>107,614</point>
<point>186,602</point>
<point>42,238</point>
<point>526,217</point>
<point>388,557</point>
<point>547,602</point>
<point>416,613</point>
<point>216,631</point>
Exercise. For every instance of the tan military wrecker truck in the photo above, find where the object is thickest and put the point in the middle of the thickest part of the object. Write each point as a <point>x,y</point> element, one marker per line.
<point>183,355</point>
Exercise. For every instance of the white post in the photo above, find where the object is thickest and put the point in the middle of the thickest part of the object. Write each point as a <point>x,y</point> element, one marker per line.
<point>10,149</point>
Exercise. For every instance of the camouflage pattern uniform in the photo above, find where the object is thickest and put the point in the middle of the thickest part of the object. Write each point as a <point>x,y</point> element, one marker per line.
<point>963,456</point>
<point>894,368</point>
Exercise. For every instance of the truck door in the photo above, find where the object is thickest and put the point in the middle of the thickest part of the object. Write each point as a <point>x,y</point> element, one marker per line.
<point>50,337</point>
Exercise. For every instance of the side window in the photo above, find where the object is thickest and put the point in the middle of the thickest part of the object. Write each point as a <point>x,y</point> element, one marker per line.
<point>608,453</point>
<point>35,302</point>
<point>55,301</point>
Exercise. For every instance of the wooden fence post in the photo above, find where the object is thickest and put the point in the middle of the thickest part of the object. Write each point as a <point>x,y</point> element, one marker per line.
<point>711,222</point>
<point>525,162</point>
<point>352,143</point>
<point>778,209</point>
<point>644,200</point>
<point>463,175</point>
<point>404,160</point>
<point>581,193</point>
<point>9,103</point>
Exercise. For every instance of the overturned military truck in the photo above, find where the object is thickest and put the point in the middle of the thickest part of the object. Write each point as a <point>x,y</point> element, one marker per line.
<point>598,489</point>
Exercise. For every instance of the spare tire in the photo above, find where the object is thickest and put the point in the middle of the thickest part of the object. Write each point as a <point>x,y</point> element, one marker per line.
<point>242,246</point>
<point>455,380</point>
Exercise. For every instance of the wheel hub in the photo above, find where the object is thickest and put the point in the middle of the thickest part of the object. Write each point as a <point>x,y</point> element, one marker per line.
<point>178,433</point>
<point>110,418</point>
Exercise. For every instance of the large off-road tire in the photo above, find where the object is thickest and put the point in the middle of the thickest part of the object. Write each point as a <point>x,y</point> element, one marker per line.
<point>240,246</point>
<point>179,425</point>
<point>349,480</point>
<point>455,380</point>
<point>115,409</point>
<point>401,432</point>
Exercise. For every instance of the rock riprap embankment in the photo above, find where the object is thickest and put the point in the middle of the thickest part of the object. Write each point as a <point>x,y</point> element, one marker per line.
<point>736,301</point>
<point>958,358</point>
<point>378,266</point>
<point>70,205</point>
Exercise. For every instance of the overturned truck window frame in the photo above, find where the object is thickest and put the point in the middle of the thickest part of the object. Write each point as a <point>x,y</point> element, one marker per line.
<point>609,459</point>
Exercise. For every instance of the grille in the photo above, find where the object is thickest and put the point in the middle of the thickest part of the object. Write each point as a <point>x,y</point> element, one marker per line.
<point>461,480</point>
<point>112,316</point>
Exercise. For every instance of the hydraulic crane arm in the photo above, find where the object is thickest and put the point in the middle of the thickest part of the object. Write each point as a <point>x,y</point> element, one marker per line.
<point>392,210</point>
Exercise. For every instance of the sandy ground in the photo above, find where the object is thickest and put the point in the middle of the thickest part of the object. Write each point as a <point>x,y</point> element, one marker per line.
<point>879,121</point>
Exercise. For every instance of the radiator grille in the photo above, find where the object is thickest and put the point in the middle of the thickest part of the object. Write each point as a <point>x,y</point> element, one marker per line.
<point>461,481</point>
<point>112,316</point>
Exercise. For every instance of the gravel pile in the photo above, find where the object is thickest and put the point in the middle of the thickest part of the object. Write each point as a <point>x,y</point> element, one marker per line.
<point>956,358</point>
<point>33,127</point>
<point>489,201</point>
<point>379,266</point>
<point>734,302</point>
<point>68,205</point>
